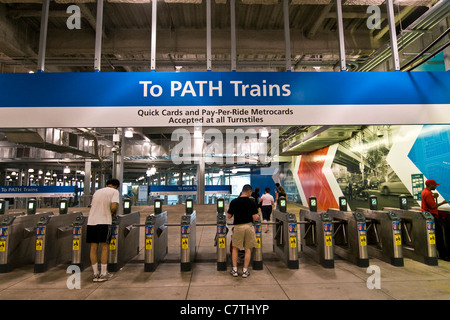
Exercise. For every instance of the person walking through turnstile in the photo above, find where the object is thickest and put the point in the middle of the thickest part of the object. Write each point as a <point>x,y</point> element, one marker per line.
<point>244,211</point>
<point>430,204</point>
<point>279,192</point>
<point>105,203</point>
<point>267,202</point>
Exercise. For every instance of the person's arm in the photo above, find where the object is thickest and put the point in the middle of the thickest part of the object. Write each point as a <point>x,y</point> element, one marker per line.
<point>230,211</point>
<point>436,204</point>
<point>114,207</point>
<point>255,215</point>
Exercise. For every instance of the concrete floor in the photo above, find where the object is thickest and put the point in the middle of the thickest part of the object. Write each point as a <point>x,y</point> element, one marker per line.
<point>414,281</point>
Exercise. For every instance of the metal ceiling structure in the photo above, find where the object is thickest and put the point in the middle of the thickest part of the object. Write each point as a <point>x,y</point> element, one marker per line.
<point>181,39</point>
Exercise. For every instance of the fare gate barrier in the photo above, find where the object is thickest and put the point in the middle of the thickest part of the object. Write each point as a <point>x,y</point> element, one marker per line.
<point>418,235</point>
<point>316,233</point>
<point>156,239</point>
<point>257,251</point>
<point>350,237</point>
<point>187,238</point>
<point>285,237</point>
<point>124,244</point>
<point>384,238</point>
<point>221,241</point>
<point>80,248</point>
<point>17,240</point>
<point>53,240</point>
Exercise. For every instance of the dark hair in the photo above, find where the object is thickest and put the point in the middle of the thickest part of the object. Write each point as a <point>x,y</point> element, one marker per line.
<point>247,187</point>
<point>257,189</point>
<point>267,190</point>
<point>114,182</point>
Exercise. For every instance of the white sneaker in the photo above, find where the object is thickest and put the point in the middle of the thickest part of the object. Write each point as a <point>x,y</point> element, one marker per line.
<point>245,274</point>
<point>96,277</point>
<point>234,273</point>
<point>104,277</point>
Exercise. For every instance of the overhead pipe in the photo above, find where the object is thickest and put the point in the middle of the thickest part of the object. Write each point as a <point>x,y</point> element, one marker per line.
<point>414,31</point>
<point>406,66</point>
<point>438,50</point>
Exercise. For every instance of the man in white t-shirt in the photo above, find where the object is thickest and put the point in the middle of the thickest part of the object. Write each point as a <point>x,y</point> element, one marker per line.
<point>105,203</point>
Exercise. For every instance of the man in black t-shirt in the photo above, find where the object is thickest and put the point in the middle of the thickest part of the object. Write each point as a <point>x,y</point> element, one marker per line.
<point>244,211</point>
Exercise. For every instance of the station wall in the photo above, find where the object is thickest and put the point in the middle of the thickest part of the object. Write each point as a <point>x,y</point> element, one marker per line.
<point>384,161</point>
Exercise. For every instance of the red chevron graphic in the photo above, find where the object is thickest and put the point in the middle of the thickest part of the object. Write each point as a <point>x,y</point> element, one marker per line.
<point>313,180</point>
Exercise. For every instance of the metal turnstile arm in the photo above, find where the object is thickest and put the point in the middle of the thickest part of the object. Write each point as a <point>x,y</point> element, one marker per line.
<point>29,232</point>
<point>406,231</point>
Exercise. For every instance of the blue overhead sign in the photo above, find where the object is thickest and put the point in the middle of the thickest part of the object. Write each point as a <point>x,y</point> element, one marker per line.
<point>188,189</point>
<point>222,98</point>
<point>36,191</point>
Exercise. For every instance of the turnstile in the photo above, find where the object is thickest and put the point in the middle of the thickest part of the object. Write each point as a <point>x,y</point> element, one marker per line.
<point>124,244</point>
<point>350,237</point>
<point>384,238</point>
<point>257,250</point>
<point>285,243</point>
<point>187,238</point>
<point>17,240</point>
<point>316,232</point>
<point>156,240</point>
<point>418,235</point>
<point>221,241</point>
<point>53,240</point>
<point>80,248</point>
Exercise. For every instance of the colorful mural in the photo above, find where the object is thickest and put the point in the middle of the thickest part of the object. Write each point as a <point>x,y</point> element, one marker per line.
<point>384,161</point>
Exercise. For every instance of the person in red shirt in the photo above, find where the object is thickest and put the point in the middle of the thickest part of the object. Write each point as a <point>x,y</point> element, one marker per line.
<point>430,204</point>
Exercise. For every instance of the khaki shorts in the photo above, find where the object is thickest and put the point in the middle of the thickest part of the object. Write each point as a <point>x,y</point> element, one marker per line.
<point>244,236</point>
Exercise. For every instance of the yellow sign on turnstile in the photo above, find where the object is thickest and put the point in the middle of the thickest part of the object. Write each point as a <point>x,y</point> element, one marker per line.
<point>76,245</point>
<point>112,244</point>
<point>185,243</point>
<point>148,244</point>
<point>39,244</point>
<point>293,242</point>
<point>222,243</point>
<point>258,243</point>
<point>363,240</point>
<point>432,238</point>
<point>2,246</point>
<point>398,240</point>
<point>328,241</point>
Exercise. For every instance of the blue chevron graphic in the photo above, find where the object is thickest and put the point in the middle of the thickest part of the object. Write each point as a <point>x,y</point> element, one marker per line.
<point>431,154</point>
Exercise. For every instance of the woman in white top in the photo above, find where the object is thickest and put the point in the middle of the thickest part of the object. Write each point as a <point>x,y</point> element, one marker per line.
<point>267,203</point>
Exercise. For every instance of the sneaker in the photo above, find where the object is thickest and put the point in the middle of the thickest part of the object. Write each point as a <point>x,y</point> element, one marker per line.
<point>95,278</point>
<point>234,273</point>
<point>245,274</point>
<point>104,277</point>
